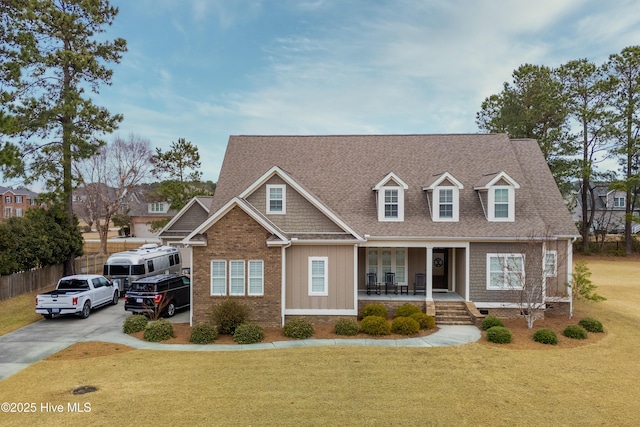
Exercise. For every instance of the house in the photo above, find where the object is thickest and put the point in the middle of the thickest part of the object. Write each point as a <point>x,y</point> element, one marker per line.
<point>183,223</point>
<point>143,209</point>
<point>609,208</point>
<point>298,221</point>
<point>15,201</point>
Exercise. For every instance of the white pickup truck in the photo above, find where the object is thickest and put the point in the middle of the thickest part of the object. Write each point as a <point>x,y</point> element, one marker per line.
<point>77,295</point>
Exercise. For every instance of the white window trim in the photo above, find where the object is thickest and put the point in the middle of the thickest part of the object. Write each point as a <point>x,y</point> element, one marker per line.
<point>250,277</point>
<point>624,202</point>
<point>325,260</point>
<point>284,199</point>
<point>492,206</point>
<point>436,204</point>
<point>554,273</point>
<point>507,286</point>
<point>211,278</point>
<point>242,277</point>
<point>381,204</point>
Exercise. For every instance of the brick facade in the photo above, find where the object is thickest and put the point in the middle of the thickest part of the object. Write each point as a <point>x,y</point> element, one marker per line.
<point>236,236</point>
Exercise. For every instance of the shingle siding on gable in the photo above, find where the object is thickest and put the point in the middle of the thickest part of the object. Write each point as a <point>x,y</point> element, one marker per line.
<point>301,216</point>
<point>191,220</point>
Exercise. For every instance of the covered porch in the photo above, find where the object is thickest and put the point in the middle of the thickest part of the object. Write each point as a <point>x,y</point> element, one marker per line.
<point>444,267</point>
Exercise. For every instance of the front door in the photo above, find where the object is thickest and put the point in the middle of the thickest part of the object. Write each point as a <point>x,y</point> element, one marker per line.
<point>439,269</point>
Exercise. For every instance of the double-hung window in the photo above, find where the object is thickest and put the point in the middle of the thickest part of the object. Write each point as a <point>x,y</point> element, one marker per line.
<point>445,202</point>
<point>256,277</point>
<point>501,203</point>
<point>391,203</point>
<point>505,271</point>
<point>243,277</point>
<point>276,199</point>
<point>318,276</point>
<point>236,277</point>
<point>218,277</point>
<point>551,264</point>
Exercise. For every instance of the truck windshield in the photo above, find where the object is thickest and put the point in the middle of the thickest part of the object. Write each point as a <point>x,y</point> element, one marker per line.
<point>73,284</point>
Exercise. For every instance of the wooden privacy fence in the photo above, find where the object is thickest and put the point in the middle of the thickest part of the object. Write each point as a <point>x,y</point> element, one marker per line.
<point>29,281</point>
<point>46,277</point>
<point>113,246</point>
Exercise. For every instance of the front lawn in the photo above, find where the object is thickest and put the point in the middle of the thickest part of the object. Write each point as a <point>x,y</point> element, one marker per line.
<point>474,384</point>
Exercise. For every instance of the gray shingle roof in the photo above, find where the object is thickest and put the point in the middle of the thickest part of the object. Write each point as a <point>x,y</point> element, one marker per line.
<point>341,170</point>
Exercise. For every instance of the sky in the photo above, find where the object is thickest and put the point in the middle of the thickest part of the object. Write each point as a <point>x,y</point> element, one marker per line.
<point>207,69</point>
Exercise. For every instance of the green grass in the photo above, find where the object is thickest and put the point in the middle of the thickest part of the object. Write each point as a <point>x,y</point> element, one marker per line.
<point>18,312</point>
<point>474,384</point>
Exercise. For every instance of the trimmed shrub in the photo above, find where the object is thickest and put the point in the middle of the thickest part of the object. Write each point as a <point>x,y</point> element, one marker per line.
<point>375,325</point>
<point>203,333</point>
<point>405,326</point>
<point>346,327</point>
<point>407,310</point>
<point>134,323</point>
<point>228,315</point>
<point>490,322</point>
<point>248,333</point>
<point>576,332</point>
<point>158,330</point>
<point>545,336</point>
<point>299,329</point>
<point>424,320</point>
<point>375,310</point>
<point>591,324</point>
<point>499,335</point>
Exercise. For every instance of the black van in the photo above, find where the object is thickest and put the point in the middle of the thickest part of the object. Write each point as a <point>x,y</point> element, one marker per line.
<point>163,293</point>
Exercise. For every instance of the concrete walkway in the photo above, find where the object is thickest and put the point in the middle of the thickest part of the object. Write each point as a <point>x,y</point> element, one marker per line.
<point>36,341</point>
<point>445,336</point>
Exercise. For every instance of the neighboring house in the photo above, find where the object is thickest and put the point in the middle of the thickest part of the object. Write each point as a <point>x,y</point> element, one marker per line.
<point>143,212</point>
<point>15,201</point>
<point>183,223</point>
<point>610,209</point>
<point>298,221</point>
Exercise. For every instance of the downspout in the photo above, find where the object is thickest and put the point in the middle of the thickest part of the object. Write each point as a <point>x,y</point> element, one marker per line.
<point>570,274</point>
<point>283,284</point>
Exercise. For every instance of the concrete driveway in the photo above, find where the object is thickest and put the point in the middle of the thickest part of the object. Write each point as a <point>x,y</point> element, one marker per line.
<point>38,340</point>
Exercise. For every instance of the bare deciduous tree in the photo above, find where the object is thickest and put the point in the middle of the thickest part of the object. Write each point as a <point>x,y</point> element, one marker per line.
<point>535,273</point>
<point>109,176</point>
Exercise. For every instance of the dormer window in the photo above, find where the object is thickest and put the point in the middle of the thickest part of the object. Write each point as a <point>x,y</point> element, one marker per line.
<point>445,203</point>
<point>390,198</point>
<point>276,199</point>
<point>391,203</point>
<point>498,197</point>
<point>445,198</point>
<point>501,203</point>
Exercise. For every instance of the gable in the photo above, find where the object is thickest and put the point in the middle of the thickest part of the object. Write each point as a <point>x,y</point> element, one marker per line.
<point>301,215</point>
<point>189,220</point>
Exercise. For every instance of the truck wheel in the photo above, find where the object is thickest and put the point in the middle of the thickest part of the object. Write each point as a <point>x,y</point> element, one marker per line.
<point>86,310</point>
<point>171,309</point>
<point>114,301</point>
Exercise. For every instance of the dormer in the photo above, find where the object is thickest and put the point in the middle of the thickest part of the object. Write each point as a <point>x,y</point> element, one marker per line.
<point>498,197</point>
<point>390,198</point>
<point>444,197</point>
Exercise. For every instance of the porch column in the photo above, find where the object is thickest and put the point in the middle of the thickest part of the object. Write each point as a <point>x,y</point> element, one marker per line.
<point>429,273</point>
